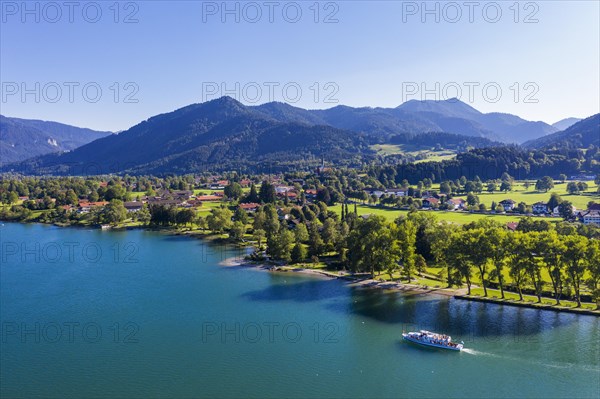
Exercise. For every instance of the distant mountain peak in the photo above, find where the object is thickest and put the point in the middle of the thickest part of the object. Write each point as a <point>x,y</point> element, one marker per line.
<point>450,107</point>
<point>566,123</point>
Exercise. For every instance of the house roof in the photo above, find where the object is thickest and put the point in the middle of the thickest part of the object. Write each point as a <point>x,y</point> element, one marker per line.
<point>507,201</point>
<point>209,198</point>
<point>133,204</point>
<point>432,200</point>
<point>250,205</point>
<point>457,201</point>
<point>512,225</point>
<point>87,203</point>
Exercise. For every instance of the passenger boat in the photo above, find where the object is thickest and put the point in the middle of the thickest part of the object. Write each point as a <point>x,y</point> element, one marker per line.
<point>433,339</point>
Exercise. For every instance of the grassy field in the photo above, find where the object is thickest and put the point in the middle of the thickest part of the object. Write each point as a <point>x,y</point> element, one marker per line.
<point>518,194</point>
<point>450,216</point>
<point>531,196</point>
<point>415,151</point>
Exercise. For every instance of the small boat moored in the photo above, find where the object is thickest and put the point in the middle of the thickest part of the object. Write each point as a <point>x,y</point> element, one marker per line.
<point>435,340</point>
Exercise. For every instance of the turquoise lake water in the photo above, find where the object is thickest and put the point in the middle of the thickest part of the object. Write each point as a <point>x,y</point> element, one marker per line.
<point>90,313</point>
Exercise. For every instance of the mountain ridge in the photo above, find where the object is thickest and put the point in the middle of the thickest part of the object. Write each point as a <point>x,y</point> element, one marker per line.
<point>25,138</point>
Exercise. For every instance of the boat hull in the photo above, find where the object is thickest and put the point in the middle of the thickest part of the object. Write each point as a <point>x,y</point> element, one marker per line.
<point>456,348</point>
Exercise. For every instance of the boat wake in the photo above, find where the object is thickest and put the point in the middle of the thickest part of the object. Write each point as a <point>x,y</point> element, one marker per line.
<point>473,352</point>
<point>557,365</point>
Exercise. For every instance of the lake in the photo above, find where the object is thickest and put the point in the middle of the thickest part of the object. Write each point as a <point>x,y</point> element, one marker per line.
<point>91,313</point>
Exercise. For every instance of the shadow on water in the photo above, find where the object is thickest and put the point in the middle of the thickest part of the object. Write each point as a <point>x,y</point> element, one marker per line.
<point>410,311</point>
<point>452,316</point>
<point>284,288</point>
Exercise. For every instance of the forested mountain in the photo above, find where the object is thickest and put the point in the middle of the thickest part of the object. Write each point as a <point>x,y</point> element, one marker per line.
<point>221,134</point>
<point>452,116</point>
<point>580,135</point>
<point>25,138</point>
<point>492,162</point>
<point>224,134</point>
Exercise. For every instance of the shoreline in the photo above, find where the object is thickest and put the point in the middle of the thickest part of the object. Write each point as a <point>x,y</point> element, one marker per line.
<point>455,293</point>
<point>355,281</point>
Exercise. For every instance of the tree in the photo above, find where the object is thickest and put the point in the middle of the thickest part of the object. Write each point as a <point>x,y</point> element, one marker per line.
<point>497,243</point>
<point>12,198</point>
<point>593,267</point>
<point>240,215</point>
<point>301,233</point>
<point>252,196</point>
<point>582,186</point>
<point>371,246</point>
<point>562,177</point>
<point>315,242</point>
<point>575,257</point>
<point>329,234</point>
<point>259,235</point>
<point>506,186</point>
<point>459,263</point>
<point>521,250</point>
<point>441,236</point>
<point>280,245</point>
<point>114,212</point>
<point>407,237</point>
<point>299,253</point>
<point>184,216</point>
<point>480,250</point>
<point>491,187</point>
<point>533,266</point>
<point>115,191</point>
<point>572,188</point>
<point>219,220</point>
<point>267,193</point>
<point>544,184</point>
<point>472,199</point>
<point>143,215</point>
<point>237,231</point>
<point>233,191</point>
<point>445,188</point>
<point>551,248</point>
<point>554,201</point>
<point>565,210</point>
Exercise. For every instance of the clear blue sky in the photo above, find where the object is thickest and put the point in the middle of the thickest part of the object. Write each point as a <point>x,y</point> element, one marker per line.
<point>374,55</point>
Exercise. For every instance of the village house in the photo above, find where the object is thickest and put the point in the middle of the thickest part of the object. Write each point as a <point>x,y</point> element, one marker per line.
<point>133,206</point>
<point>508,205</point>
<point>540,207</point>
<point>431,202</point>
<point>310,193</point>
<point>281,190</point>
<point>592,217</point>
<point>457,203</point>
<point>398,192</point>
<point>193,203</point>
<point>86,206</point>
<point>250,207</point>
<point>374,191</point>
